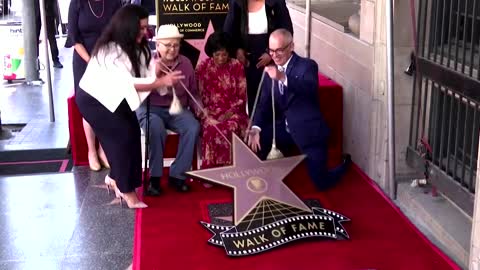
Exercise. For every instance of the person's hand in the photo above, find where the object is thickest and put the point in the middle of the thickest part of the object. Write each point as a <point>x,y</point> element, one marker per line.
<point>242,57</point>
<point>253,139</point>
<point>274,73</point>
<point>169,79</point>
<point>264,60</point>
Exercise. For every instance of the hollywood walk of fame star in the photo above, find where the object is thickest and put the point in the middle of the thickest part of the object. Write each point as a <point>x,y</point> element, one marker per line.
<point>253,179</point>
<point>199,44</point>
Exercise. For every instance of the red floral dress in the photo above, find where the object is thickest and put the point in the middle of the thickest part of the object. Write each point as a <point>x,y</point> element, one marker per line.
<point>223,90</point>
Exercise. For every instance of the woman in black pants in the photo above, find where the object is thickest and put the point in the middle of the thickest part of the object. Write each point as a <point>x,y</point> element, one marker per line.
<point>86,21</point>
<point>118,78</point>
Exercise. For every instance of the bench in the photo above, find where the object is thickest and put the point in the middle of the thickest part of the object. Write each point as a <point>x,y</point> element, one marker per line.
<point>331,105</point>
<point>78,141</point>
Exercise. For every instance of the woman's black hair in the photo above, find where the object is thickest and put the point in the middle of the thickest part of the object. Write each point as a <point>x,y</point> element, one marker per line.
<point>219,41</point>
<point>123,30</point>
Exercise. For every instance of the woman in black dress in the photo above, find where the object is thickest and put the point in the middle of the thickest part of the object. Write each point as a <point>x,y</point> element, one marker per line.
<point>86,21</point>
<point>250,23</point>
<point>118,78</point>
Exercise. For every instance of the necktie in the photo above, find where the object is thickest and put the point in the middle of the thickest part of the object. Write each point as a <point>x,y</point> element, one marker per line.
<point>280,88</point>
<point>280,84</point>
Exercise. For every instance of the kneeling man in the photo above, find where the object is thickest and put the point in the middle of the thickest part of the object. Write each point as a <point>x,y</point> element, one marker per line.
<point>299,121</point>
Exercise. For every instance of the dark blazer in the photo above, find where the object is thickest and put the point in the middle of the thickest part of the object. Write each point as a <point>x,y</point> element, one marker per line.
<point>236,22</point>
<point>299,104</point>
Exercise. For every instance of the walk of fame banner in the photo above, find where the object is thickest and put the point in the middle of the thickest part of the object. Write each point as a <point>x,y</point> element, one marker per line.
<point>196,19</point>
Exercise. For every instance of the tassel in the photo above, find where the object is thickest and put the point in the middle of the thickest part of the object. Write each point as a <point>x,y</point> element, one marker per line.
<point>176,106</point>
<point>274,153</point>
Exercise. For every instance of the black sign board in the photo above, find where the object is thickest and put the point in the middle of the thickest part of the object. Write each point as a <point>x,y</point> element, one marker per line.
<point>193,17</point>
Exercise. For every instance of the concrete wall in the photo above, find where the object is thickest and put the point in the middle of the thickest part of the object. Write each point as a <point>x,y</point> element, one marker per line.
<point>475,240</point>
<point>359,65</point>
<point>403,42</point>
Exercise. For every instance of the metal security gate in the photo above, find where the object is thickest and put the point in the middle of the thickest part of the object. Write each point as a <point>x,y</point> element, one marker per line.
<point>446,96</point>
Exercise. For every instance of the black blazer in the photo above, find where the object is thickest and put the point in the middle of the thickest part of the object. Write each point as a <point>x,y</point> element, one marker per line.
<point>236,22</point>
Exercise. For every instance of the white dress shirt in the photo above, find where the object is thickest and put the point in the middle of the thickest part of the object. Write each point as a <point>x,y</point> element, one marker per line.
<point>109,78</point>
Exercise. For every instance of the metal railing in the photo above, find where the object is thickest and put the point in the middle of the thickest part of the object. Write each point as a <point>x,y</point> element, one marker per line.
<point>446,96</point>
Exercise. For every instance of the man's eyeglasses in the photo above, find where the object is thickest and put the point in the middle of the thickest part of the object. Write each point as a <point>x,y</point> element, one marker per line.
<point>279,50</point>
<point>170,46</point>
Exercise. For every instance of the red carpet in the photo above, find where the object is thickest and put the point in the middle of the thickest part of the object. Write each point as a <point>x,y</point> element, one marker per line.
<point>168,234</point>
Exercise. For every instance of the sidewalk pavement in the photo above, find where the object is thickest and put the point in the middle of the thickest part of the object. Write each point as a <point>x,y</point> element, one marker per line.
<point>26,104</point>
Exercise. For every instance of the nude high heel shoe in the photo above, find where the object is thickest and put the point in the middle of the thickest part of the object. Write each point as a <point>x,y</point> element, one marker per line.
<point>111,185</point>
<point>131,199</point>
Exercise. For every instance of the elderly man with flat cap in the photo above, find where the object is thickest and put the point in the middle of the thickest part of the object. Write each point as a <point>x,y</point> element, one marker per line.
<point>170,109</point>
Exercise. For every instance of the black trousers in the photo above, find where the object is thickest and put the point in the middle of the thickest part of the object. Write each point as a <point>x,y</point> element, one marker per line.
<point>51,24</point>
<point>316,160</point>
<point>119,135</point>
<point>257,46</point>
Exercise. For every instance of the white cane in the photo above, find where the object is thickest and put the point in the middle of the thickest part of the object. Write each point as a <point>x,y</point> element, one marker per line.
<point>259,88</point>
<point>274,151</point>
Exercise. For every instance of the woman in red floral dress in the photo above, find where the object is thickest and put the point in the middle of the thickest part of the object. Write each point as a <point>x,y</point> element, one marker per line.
<point>223,89</point>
